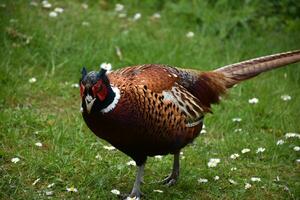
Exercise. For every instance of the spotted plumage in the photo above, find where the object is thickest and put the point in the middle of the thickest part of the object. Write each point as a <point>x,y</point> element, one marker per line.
<point>150,110</point>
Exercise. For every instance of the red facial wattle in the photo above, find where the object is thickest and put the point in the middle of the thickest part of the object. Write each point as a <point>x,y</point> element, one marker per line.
<point>81,90</point>
<point>100,90</point>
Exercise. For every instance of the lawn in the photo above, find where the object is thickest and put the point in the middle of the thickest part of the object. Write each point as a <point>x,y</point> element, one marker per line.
<point>42,130</point>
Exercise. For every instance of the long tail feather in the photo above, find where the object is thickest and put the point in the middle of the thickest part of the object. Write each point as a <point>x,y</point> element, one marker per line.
<point>238,72</point>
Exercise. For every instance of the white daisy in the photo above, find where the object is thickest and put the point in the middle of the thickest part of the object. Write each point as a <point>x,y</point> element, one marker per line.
<point>298,161</point>
<point>38,144</point>
<point>59,10</point>
<point>49,193</point>
<point>15,160</point>
<point>237,130</point>
<point>51,185</point>
<point>253,100</point>
<point>234,156</point>
<point>36,181</point>
<point>247,186</point>
<point>46,4</point>
<point>110,148</point>
<point>131,163</point>
<point>32,80</point>
<point>279,142</point>
<point>106,66</point>
<point>245,150</point>
<point>53,14</point>
<point>75,85</point>
<point>213,162</point>
<point>286,97</point>
<point>98,157</point>
<point>137,16</point>
<point>71,189</point>
<point>115,191</point>
<point>296,148</point>
<point>85,6</point>
<point>292,135</point>
<point>190,34</point>
<point>119,7</point>
<point>255,179</point>
<point>232,181</point>
<point>202,180</point>
<point>236,119</point>
<point>156,16</point>
<point>233,169</point>
<point>260,150</point>
<point>216,178</point>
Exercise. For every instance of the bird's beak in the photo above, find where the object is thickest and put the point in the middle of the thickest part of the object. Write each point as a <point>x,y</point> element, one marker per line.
<point>89,101</point>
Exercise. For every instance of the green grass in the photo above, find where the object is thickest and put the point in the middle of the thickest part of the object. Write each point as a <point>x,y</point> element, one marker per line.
<point>47,111</point>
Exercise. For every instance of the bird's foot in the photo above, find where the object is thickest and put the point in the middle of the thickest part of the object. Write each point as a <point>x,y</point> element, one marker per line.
<point>135,195</point>
<point>170,180</point>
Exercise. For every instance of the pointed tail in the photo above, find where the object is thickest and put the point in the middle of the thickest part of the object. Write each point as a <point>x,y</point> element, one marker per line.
<point>238,72</point>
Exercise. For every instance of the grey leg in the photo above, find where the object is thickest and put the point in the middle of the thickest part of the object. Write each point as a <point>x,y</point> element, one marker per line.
<point>172,178</point>
<point>136,192</point>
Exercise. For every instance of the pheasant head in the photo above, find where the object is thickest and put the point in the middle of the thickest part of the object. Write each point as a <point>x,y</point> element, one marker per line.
<point>95,90</point>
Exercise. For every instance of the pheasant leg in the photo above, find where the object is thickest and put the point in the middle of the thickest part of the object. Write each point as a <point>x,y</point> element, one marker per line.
<point>136,192</point>
<point>172,178</point>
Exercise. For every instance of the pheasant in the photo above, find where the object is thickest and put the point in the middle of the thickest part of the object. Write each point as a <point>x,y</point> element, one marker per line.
<point>154,109</point>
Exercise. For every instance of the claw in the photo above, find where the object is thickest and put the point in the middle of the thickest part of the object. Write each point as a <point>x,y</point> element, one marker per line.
<point>169,181</point>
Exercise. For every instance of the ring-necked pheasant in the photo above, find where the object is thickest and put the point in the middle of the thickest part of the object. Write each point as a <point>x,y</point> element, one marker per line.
<point>152,109</point>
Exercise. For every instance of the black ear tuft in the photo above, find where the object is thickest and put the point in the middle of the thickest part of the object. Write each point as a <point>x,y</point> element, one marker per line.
<point>102,72</point>
<point>83,72</point>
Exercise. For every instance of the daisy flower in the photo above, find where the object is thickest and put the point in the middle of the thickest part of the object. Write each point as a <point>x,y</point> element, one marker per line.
<point>247,186</point>
<point>253,100</point>
<point>131,163</point>
<point>245,150</point>
<point>236,119</point>
<point>292,135</point>
<point>115,191</point>
<point>232,181</point>
<point>137,16</point>
<point>234,156</point>
<point>286,97</point>
<point>15,160</point>
<point>158,191</point>
<point>260,150</point>
<point>255,179</point>
<point>110,148</point>
<point>32,80</point>
<point>296,148</point>
<point>279,142</point>
<point>190,34</point>
<point>202,180</point>
<point>53,14</point>
<point>38,144</point>
<point>59,10</point>
<point>213,162</point>
<point>71,189</point>
<point>119,7</point>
